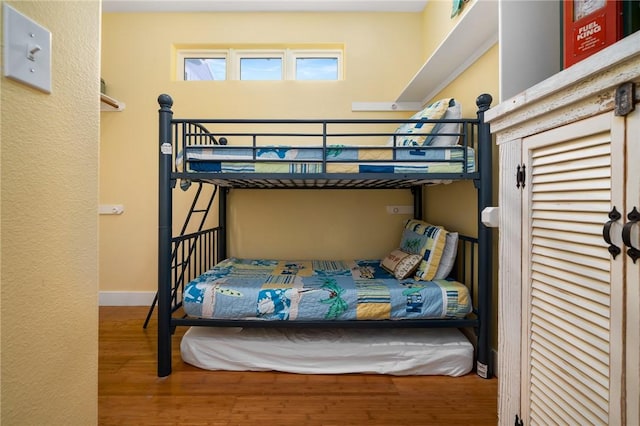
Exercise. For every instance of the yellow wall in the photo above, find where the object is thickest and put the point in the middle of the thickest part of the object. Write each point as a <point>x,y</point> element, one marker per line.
<point>437,19</point>
<point>455,212</point>
<point>382,52</point>
<point>481,77</point>
<point>49,235</point>
<point>438,23</point>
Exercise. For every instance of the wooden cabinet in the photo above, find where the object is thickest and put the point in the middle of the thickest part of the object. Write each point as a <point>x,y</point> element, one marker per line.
<point>569,280</point>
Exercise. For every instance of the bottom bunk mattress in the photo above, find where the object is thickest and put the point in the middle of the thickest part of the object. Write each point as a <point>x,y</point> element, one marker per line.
<point>319,290</point>
<point>395,351</point>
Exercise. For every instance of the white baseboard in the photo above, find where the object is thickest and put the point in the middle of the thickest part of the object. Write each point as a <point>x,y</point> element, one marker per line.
<point>126,298</point>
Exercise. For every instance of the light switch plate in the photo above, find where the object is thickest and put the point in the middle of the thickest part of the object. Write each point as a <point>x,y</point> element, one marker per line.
<point>27,50</point>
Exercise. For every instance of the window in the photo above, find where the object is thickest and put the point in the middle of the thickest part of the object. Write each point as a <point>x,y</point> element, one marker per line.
<point>202,65</point>
<point>261,69</point>
<point>316,68</point>
<point>259,64</point>
<point>205,69</point>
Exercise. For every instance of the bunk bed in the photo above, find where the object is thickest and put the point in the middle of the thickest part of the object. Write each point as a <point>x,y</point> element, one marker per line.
<point>211,157</point>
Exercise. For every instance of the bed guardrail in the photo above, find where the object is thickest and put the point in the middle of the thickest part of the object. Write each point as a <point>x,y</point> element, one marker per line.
<point>318,145</point>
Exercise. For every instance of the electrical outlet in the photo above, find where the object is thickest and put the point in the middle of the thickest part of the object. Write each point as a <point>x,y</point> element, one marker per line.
<point>400,209</point>
<point>111,209</point>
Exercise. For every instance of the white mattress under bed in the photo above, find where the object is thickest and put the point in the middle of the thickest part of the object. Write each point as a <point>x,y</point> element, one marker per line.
<point>395,351</point>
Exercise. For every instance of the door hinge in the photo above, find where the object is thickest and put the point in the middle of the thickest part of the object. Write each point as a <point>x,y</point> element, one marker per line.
<point>625,99</point>
<point>520,176</point>
<point>518,421</point>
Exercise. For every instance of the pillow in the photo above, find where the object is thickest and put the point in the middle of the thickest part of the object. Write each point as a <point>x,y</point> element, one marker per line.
<point>400,263</point>
<point>454,112</point>
<point>435,111</point>
<point>448,256</point>
<point>413,242</point>
<point>428,241</point>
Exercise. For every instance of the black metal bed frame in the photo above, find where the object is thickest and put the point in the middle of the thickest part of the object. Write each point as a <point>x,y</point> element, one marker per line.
<point>185,256</point>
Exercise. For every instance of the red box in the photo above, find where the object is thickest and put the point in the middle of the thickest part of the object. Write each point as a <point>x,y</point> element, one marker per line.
<point>590,26</point>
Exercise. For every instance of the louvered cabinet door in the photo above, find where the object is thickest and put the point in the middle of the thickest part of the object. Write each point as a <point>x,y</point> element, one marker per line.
<point>632,373</point>
<point>573,290</point>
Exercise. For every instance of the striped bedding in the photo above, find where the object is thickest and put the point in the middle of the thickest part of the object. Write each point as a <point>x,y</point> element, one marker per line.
<point>333,159</point>
<point>316,290</point>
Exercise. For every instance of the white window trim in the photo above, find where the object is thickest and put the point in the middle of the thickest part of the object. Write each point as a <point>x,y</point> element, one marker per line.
<point>233,56</point>
<point>311,53</point>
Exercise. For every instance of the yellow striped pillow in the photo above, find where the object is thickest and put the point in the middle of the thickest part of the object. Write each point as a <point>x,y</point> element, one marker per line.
<point>415,134</point>
<point>426,240</point>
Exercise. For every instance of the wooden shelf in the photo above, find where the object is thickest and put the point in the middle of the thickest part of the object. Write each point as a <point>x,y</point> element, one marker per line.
<point>474,34</point>
<point>110,104</point>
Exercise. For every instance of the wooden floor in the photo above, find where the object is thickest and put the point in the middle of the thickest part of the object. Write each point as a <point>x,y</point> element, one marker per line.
<point>130,393</point>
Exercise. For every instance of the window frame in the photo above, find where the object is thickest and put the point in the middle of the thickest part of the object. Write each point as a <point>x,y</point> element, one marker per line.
<point>234,56</point>
<point>237,55</point>
<point>296,54</point>
<point>184,54</point>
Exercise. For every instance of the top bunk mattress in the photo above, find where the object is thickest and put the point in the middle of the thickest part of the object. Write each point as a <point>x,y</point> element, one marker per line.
<point>435,145</point>
<point>319,290</point>
<point>329,159</point>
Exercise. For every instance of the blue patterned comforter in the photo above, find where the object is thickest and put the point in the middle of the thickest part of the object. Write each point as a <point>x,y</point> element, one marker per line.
<point>319,290</point>
<point>333,159</point>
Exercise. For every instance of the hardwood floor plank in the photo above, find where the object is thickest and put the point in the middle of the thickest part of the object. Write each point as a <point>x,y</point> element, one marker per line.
<point>130,393</point>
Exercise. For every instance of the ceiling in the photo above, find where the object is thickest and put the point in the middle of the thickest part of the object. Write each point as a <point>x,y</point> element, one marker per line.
<point>263,5</point>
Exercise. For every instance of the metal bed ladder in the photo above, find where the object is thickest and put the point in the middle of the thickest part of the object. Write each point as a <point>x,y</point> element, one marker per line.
<point>179,282</point>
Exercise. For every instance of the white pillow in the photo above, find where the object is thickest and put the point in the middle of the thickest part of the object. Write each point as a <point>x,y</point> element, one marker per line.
<point>454,112</point>
<point>448,256</point>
